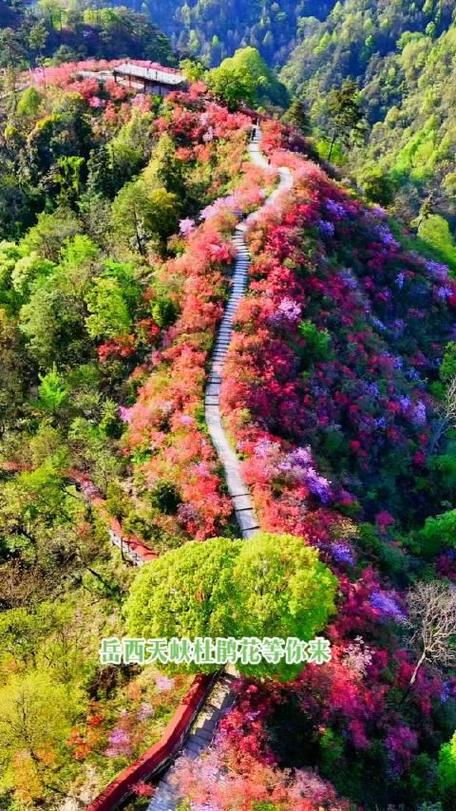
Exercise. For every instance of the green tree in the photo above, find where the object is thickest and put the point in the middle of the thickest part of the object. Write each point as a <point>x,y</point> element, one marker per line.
<point>37,38</point>
<point>377,185</point>
<point>29,102</point>
<point>447,772</point>
<point>54,326</point>
<point>298,117</point>
<point>129,149</point>
<point>141,215</point>
<point>438,533</point>
<point>50,233</point>
<point>447,369</point>
<point>192,69</point>
<point>271,585</point>
<point>345,111</point>
<point>245,77</point>
<point>165,169</point>
<point>28,270</point>
<point>100,173</point>
<point>109,313</point>
<point>12,49</point>
<point>67,174</point>
<point>37,715</point>
<point>52,392</point>
<point>282,589</point>
<point>13,372</point>
<point>434,230</point>
<point>185,592</point>
<point>317,342</point>
<point>164,310</point>
<point>53,11</point>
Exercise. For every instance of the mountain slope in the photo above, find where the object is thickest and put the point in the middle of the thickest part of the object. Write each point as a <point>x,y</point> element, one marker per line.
<point>214,29</point>
<point>402,56</point>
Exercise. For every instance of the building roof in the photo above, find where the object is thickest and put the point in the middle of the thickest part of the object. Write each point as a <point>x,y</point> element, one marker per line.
<point>155,73</point>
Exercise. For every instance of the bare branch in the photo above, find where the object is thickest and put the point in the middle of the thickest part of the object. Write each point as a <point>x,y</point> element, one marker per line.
<point>450,403</point>
<point>432,620</point>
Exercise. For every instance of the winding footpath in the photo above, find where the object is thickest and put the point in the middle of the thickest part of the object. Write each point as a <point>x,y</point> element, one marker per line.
<point>194,723</point>
<point>243,506</point>
<point>222,695</point>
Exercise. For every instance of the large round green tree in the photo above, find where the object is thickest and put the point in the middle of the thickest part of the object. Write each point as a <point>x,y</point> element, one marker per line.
<point>268,586</point>
<point>185,593</point>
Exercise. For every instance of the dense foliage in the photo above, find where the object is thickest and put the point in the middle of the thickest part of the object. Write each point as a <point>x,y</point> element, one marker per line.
<point>402,57</point>
<point>272,586</point>
<point>94,286</point>
<point>214,29</point>
<point>339,394</point>
<point>54,30</point>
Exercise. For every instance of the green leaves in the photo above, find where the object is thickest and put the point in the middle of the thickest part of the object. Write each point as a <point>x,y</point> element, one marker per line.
<point>271,585</point>
<point>318,342</point>
<point>52,391</point>
<point>434,230</point>
<point>447,771</point>
<point>438,533</point>
<point>186,592</point>
<point>245,77</point>
<point>37,714</point>
<point>141,215</point>
<point>110,316</point>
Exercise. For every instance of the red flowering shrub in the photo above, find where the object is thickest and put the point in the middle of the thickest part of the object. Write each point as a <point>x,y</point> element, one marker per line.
<point>335,356</point>
<point>164,432</point>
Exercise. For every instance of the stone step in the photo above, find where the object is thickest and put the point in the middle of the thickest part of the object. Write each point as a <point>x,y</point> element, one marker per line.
<point>243,502</point>
<point>203,738</point>
<point>221,697</point>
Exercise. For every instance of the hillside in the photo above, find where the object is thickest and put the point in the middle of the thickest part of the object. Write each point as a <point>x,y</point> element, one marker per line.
<point>88,292</point>
<point>55,32</point>
<point>354,39</point>
<point>214,29</point>
<point>401,56</point>
<point>335,382</point>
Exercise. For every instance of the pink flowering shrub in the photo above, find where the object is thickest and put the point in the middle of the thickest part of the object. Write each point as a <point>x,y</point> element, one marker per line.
<point>163,426</point>
<point>329,354</point>
<point>220,781</point>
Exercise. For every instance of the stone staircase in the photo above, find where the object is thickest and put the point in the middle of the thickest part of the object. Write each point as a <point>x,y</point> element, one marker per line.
<point>201,734</point>
<point>222,695</point>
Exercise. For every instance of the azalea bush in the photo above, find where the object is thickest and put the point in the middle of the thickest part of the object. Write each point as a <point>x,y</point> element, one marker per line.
<point>212,782</point>
<point>327,397</point>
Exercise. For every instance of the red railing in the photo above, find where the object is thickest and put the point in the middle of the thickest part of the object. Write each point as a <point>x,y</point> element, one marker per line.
<point>130,546</point>
<point>155,759</point>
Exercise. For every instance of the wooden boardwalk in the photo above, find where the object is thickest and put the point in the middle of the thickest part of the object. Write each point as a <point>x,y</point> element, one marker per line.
<point>222,694</point>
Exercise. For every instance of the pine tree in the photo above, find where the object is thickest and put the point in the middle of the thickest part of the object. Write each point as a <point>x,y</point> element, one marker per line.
<point>298,117</point>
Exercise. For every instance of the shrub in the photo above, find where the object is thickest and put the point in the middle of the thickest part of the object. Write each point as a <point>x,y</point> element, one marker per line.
<point>438,533</point>
<point>447,772</point>
<point>318,342</point>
